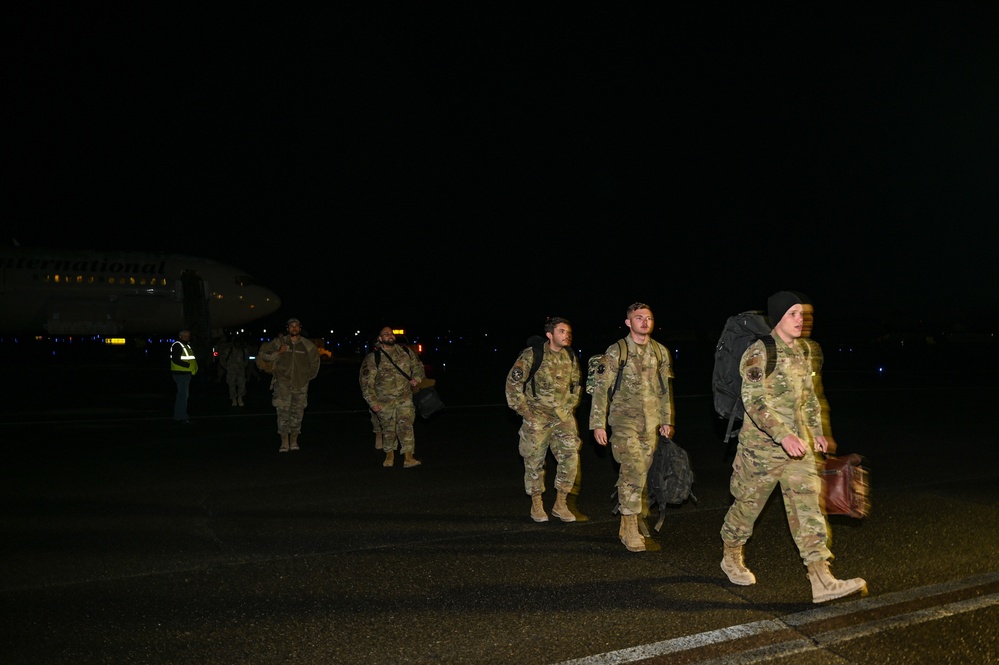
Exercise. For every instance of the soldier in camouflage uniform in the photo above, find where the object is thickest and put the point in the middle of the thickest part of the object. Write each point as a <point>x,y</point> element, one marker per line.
<point>389,394</point>
<point>234,360</point>
<point>296,363</point>
<point>781,431</point>
<point>548,404</point>
<point>637,413</point>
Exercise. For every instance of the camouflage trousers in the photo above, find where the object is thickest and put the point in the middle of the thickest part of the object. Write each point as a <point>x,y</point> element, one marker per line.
<point>539,433</point>
<point>757,469</point>
<point>633,451</point>
<point>290,404</point>
<point>236,379</point>
<point>395,422</point>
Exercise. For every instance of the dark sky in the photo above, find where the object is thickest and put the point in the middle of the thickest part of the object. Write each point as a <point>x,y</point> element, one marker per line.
<point>476,168</point>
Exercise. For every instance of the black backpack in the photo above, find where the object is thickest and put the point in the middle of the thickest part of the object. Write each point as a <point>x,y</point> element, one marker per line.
<point>668,482</point>
<point>670,478</point>
<point>537,344</point>
<point>739,332</point>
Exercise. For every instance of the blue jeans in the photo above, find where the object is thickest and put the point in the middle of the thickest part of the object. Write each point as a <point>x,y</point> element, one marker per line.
<point>183,382</point>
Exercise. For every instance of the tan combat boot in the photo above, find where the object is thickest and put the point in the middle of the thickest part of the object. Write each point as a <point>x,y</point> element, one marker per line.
<point>732,564</point>
<point>284,444</point>
<point>234,401</point>
<point>538,513</point>
<point>629,534</point>
<point>826,587</point>
<point>239,401</point>
<point>561,510</point>
<point>411,461</point>
<point>378,441</point>
<point>389,458</point>
<point>293,441</point>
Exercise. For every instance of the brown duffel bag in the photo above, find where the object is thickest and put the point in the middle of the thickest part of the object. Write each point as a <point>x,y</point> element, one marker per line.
<point>845,486</point>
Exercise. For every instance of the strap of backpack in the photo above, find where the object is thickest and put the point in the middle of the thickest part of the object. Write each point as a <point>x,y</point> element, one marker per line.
<point>771,346</point>
<point>623,345</point>
<point>537,356</point>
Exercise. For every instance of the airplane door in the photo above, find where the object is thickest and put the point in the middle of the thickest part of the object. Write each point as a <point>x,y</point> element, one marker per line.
<point>196,317</point>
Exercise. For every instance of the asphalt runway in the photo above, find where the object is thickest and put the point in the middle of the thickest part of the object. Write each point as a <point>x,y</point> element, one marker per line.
<point>129,539</point>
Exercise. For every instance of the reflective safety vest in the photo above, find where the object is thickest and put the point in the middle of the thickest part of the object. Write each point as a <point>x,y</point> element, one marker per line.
<point>185,354</point>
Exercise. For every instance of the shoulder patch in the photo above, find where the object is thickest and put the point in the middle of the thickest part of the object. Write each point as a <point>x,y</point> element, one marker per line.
<point>518,374</point>
<point>754,374</point>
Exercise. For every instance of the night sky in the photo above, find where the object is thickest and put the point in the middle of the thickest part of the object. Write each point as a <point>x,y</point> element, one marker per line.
<point>478,169</point>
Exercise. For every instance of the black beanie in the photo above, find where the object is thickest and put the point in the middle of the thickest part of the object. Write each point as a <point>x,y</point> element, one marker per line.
<point>779,303</point>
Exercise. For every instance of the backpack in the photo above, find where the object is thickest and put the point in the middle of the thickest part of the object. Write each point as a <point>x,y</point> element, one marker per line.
<point>264,365</point>
<point>670,478</point>
<point>739,332</point>
<point>593,368</point>
<point>668,482</point>
<point>537,344</point>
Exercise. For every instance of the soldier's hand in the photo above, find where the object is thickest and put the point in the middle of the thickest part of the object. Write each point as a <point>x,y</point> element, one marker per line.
<point>793,446</point>
<point>600,435</point>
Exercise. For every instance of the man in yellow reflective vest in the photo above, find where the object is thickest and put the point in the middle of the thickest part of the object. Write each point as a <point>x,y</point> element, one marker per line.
<point>183,366</point>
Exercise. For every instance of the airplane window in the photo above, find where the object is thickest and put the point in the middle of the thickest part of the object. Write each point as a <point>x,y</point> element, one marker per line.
<point>244,280</point>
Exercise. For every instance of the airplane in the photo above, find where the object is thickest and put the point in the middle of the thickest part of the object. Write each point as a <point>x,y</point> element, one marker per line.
<point>118,293</point>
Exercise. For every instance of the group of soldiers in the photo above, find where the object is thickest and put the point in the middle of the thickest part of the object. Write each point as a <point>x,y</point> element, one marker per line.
<point>784,430</point>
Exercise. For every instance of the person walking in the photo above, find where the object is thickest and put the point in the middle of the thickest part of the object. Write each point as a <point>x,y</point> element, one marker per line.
<point>296,363</point>
<point>777,443</point>
<point>234,360</point>
<point>637,412</point>
<point>546,400</point>
<point>389,375</point>
<point>183,366</point>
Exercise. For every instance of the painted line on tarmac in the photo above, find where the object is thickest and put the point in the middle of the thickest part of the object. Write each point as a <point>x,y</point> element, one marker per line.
<point>868,612</point>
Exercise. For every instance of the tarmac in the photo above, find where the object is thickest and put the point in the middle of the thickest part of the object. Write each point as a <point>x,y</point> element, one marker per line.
<point>127,538</point>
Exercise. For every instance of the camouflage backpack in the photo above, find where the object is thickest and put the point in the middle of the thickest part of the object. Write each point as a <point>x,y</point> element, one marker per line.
<point>266,365</point>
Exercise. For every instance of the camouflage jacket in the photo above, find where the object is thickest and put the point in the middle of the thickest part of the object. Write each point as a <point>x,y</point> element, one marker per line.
<point>381,383</point>
<point>783,403</point>
<point>641,401</point>
<point>556,384</point>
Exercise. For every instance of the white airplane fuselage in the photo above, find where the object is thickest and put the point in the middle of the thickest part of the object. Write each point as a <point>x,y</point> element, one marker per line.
<point>65,292</point>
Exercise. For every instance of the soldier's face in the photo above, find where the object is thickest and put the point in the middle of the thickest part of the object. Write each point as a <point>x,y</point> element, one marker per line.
<point>641,321</point>
<point>791,323</point>
<point>562,335</point>
<point>386,337</point>
<point>294,329</point>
